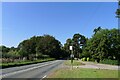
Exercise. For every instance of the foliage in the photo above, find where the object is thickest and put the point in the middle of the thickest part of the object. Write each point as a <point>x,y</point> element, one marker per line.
<point>88,58</point>
<point>41,45</point>
<point>96,30</point>
<point>48,45</point>
<point>6,65</point>
<point>67,45</point>
<point>108,61</point>
<point>4,49</point>
<point>118,11</point>
<point>104,44</point>
<point>37,47</point>
<point>78,42</point>
<point>84,59</point>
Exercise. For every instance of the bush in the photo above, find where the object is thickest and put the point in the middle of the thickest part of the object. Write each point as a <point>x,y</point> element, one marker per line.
<point>46,56</point>
<point>84,59</point>
<point>92,59</point>
<point>108,61</point>
<point>97,60</point>
<point>6,65</point>
<point>88,59</point>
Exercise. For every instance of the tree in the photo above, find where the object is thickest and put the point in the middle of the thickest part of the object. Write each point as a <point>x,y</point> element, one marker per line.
<point>76,44</point>
<point>3,51</point>
<point>66,46</point>
<point>13,54</point>
<point>118,11</point>
<point>40,45</point>
<point>103,45</point>
<point>78,41</point>
<point>48,45</point>
<point>96,30</point>
<point>23,49</point>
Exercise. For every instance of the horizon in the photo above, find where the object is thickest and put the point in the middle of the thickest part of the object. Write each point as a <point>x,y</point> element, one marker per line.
<point>24,20</point>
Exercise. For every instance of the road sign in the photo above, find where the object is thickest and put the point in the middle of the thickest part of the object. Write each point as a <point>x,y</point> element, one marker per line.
<point>71,47</point>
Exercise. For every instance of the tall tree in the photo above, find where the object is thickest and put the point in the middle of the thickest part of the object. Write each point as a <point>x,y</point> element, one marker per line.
<point>48,45</point>
<point>118,10</point>
<point>76,44</point>
<point>67,45</point>
<point>103,45</point>
<point>96,30</point>
<point>78,41</point>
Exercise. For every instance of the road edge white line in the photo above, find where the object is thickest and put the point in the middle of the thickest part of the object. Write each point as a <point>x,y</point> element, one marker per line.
<point>44,76</point>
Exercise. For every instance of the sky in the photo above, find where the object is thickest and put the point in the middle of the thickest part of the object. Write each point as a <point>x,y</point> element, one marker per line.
<point>22,20</point>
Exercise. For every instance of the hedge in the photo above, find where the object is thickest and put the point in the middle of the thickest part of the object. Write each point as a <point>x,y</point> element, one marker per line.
<point>7,65</point>
<point>111,62</point>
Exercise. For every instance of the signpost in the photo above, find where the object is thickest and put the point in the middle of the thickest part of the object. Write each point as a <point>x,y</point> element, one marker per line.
<point>71,48</point>
<point>71,56</point>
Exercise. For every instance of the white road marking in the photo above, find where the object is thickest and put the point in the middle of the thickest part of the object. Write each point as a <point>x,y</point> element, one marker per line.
<point>45,76</point>
<point>2,76</point>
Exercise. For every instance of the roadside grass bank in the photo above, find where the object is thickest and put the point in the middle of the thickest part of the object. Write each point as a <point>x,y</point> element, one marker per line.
<point>83,73</point>
<point>105,61</point>
<point>21,63</point>
<point>75,63</point>
<point>69,72</point>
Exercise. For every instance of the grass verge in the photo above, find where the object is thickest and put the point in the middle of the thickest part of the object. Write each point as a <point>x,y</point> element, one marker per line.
<point>84,73</point>
<point>75,63</point>
<point>7,65</point>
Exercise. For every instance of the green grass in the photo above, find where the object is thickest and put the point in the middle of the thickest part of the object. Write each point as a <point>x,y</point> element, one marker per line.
<point>84,73</point>
<point>68,72</point>
<point>6,65</point>
<point>75,63</point>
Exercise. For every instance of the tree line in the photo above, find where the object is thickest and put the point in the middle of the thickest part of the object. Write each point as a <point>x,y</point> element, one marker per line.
<point>104,44</point>
<point>37,47</point>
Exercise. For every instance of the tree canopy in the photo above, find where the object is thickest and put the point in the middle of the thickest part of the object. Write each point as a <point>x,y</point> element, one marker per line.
<point>40,45</point>
<point>105,44</point>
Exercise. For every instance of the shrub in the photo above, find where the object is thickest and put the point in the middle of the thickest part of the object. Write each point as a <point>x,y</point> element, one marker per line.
<point>88,59</point>
<point>84,59</point>
<point>92,59</point>
<point>6,65</point>
<point>108,61</point>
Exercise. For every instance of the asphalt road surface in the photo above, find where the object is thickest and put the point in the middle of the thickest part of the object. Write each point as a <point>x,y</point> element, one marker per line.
<point>40,70</point>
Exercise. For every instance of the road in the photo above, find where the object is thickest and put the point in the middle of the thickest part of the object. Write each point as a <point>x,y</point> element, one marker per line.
<point>38,71</point>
